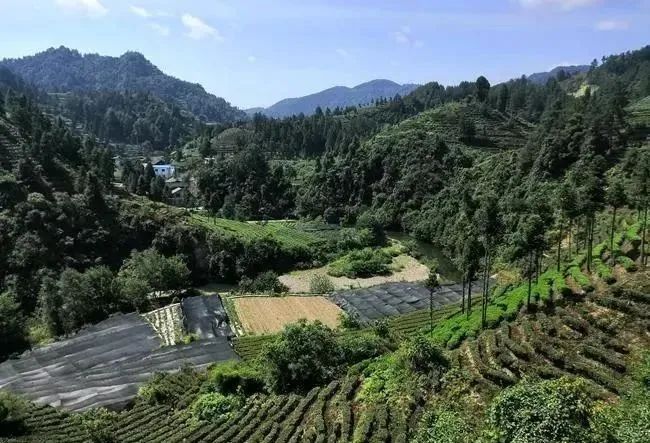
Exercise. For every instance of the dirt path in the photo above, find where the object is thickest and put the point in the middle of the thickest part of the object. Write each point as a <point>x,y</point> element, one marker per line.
<point>410,270</point>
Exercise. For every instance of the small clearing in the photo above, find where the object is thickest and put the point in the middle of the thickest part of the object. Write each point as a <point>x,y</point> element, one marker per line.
<point>407,269</point>
<point>266,315</point>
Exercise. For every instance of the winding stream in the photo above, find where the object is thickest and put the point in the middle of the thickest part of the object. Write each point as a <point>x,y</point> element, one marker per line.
<point>428,254</point>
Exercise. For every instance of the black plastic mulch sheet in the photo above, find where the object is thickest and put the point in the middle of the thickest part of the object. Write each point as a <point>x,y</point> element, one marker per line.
<point>206,317</point>
<point>391,299</point>
<point>104,364</point>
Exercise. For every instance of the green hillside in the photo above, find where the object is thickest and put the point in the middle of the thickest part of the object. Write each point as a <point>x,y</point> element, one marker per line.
<point>639,112</point>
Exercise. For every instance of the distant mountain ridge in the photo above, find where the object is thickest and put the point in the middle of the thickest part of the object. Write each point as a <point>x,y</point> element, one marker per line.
<point>541,78</point>
<point>337,96</point>
<point>64,70</point>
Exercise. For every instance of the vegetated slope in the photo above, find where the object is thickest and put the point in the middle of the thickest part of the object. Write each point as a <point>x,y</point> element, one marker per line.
<point>64,70</point>
<point>639,112</point>
<point>542,77</point>
<point>401,167</point>
<point>338,97</point>
<point>124,117</point>
<point>10,149</point>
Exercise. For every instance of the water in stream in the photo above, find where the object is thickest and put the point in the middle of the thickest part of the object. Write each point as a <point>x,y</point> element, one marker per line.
<point>428,254</point>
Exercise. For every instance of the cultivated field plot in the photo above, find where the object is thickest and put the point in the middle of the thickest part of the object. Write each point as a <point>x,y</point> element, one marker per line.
<point>264,315</point>
<point>167,322</point>
<point>205,317</point>
<point>103,365</point>
<point>392,299</point>
<point>284,232</point>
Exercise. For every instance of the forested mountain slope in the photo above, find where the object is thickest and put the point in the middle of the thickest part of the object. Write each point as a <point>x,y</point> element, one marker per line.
<point>541,78</point>
<point>136,118</point>
<point>338,97</point>
<point>66,70</point>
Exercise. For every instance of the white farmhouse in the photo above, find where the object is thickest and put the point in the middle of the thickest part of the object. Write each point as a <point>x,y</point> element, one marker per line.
<point>164,170</point>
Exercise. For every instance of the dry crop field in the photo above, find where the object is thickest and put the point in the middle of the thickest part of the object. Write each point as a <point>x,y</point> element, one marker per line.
<point>265,315</point>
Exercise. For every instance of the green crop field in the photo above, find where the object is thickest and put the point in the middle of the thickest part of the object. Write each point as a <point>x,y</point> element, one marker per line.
<point>284,232</point>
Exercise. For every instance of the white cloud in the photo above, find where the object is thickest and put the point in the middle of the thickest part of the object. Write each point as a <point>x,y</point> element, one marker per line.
<point>404,37</point>
<point>198,29</point>
<point>147,13</point>
<point>93,8</point>
<point>251,59</point>
<point>160,29</point>
<point>565,5</point>
<point>612,25</point>
<point>343,53</point>
<point>142,12</point>
<point>401,37</point>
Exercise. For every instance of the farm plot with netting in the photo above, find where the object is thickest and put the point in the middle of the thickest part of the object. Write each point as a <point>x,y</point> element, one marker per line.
<point>167,322</point>
<point>205,317</point>
<point>104,364</point>
<point>393,299</point>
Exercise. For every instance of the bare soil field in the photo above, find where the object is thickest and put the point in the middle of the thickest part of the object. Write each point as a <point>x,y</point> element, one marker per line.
<point>408,269</point>
<point>266,315</point>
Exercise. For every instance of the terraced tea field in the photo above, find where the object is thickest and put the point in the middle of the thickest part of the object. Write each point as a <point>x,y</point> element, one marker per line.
<point>329,413</point>
<point>591,339</point>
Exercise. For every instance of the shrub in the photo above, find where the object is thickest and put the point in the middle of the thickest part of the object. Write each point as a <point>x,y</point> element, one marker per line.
<point>348,321</point>
<point>266,282</point>
<point>320,284</point>
<point>213,406</point>
<point>12,413</point>
<point>628,264</point>
<point>547,411</point>
<point>371,223</point>
<point>422,355</point>
<point>382,328</point>
<point>604,271</point>
<point>581,279</point>
<point>12,326</point>
<point>304,355</point>
<point>442,426</point>
<point>160,389</point>
<point>235,377</point>
<point>97,425</point>
<point>629,420</point>
<point>364,263</point>
<point>359,347</point>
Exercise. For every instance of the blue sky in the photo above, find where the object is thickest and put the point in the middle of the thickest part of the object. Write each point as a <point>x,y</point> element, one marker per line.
<point>255,52</point>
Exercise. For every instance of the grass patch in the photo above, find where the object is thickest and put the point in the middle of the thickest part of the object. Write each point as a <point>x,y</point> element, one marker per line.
<point>628,264</point>
<point>579,277</point>
<point>603,271</point>
<point>366,262</point>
